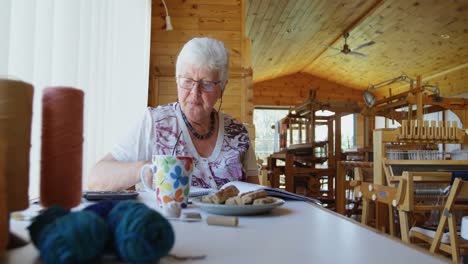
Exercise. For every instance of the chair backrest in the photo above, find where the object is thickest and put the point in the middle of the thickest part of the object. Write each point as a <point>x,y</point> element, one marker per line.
<point>409,204</point>
<point>411,178</point>
<point>458,191</point>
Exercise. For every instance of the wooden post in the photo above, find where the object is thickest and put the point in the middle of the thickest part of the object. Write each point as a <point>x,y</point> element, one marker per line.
<point>312,125</point>
<point>419,102</point>
<point>288,172</point>
<point>247,97</point>
<point>465,118</point>
<point>381,210</point>
<point>366,131</point>
<point>340,189</point>
<point>379,153</point>
<point>334,163</point>
<point>153,97</point>
<point>330,148</point>
<point>290,124</point>
<point>247,76</point>
<point>465,124</point>
<point>337,138</point>
<point>299,127</point>
<point>369,125</point>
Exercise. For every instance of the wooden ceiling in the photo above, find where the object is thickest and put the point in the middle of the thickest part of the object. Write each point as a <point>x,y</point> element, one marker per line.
<point>419,37</point>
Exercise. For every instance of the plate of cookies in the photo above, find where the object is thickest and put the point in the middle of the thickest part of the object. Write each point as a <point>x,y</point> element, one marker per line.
<point>229,201</point>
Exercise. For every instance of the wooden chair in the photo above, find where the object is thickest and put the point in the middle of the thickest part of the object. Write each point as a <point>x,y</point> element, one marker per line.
<point>419,201</point>
<point>458,191</point>
<point>370,192</point>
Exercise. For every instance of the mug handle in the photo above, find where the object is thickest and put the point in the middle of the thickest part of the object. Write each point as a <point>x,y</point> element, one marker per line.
<point>142,176</point>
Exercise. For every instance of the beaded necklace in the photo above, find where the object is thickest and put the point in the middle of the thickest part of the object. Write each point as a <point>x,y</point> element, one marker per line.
<point>192,130</point>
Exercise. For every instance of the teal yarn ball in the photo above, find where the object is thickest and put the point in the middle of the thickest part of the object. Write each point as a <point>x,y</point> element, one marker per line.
<point>42,220</point>
<point>77,237</point>
<point>141,234</point>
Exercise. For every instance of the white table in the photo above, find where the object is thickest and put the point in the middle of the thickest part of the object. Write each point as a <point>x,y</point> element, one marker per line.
<point>296,232</point>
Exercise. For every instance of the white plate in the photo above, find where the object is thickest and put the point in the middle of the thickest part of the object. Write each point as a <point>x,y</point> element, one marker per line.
<point>248,209</point>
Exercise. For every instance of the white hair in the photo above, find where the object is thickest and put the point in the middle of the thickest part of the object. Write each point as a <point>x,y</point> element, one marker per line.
<point>206,53</point>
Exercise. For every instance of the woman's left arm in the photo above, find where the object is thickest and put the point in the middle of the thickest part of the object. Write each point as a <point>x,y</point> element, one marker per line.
<point>250,166</point>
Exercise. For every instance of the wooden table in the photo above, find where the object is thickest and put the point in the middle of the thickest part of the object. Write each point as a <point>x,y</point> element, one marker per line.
<point>296,232</point>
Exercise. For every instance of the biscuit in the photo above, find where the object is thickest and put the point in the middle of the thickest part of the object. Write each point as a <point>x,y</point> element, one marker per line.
<point>207,199</point>
<point>222,195</point>
<point>236,200</point>
<point>264,200</point>
<point>249,197</point>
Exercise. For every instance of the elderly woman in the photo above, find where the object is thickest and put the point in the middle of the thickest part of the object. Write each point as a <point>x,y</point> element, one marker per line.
<point>191,127</point>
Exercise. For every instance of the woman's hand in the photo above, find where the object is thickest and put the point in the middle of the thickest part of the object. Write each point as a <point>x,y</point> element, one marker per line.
<point>110,174</point>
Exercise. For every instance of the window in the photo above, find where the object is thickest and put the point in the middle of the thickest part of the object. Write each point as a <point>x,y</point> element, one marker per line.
<point>348,131</point>
<point>265,141</point>
<point>101,47</point>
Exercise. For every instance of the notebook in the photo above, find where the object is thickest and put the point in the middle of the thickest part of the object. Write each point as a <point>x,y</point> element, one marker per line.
<point>197,191</point>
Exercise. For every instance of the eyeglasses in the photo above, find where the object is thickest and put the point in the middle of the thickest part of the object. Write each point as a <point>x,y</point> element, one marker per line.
<point>206,86</point>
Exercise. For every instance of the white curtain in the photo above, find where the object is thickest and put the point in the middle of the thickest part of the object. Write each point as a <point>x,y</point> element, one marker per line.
<point>99,46</point>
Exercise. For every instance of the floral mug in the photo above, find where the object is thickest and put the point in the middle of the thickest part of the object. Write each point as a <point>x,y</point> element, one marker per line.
<point>171,179</point>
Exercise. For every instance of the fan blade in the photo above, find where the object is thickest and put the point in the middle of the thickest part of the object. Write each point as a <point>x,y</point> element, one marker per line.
<point>333,55</point>
<point>333,48</point>
<point>370,43</point>
<point>357,54</point>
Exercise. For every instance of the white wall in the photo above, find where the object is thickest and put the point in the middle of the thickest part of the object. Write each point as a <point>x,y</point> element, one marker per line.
<point>101,47</point>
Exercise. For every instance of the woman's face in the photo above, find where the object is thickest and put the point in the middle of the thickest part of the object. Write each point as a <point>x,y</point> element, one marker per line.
<point>196,103</point>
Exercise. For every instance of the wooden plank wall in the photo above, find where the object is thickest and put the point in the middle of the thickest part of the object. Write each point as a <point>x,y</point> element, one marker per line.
<point>222,20</point>
<point>294,89</point>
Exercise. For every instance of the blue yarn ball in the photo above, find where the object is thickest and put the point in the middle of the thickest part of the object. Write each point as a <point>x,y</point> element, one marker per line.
<point>102,208</point>
<point>77,237</point>
<point>45,218</point>
<point>141,234</point>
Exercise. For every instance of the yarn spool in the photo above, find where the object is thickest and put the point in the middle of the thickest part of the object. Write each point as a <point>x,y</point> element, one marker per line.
<point>141,234</point>
<point>62,146</point>
<point>63,237</point>
<point>4,214</point>
<point>15,128</point>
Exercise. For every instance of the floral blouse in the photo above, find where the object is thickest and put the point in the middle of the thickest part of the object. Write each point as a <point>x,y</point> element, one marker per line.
<point>163,132</point>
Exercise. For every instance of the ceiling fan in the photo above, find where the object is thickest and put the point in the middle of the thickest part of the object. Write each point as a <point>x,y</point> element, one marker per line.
<point>346,50</point>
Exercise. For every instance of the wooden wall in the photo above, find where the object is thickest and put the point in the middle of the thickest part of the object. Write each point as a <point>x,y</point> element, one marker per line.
<point>222,20</point>
<point>294,89</point>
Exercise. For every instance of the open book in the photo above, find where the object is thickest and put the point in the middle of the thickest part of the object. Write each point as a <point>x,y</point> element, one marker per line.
<point>247,187</point>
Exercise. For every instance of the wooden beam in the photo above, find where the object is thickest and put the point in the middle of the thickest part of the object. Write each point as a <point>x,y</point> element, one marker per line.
<point>419,102</point>
<point>456,68</point>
